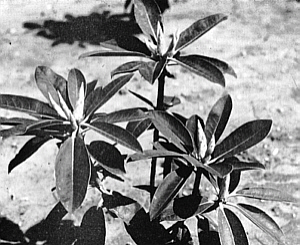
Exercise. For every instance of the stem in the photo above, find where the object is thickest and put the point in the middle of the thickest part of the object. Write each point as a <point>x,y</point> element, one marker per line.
<point>159,106</point>
<point>197,182</point>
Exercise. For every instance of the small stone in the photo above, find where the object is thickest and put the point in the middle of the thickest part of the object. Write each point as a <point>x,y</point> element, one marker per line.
<point>275,151</point>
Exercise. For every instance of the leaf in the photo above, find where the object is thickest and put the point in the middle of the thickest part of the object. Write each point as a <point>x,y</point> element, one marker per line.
<point>125,115</point>
<point>49,83</point>
<point>197,29</point>
<point>192,126</point>
<point>222,169</point>
<point>168,213</point>
<point>72,172</point>
<point>148,17</point>
<point>44,124</point>
<point>158,69</point>
<point>231,228</point>
<point>107,156</point>
<point>126,67</point>
<point>92,99</point>
<point>92,228</point>
<point>101,96</point>
<point>148,154</point>
<point>13,121</point>
<point>186,206</point>
<point>218,112</point>
<point>76,90</point>
<point>243,138</point>
<point>265,193</point>
<point>90,87</point>
<point>167,190</point>
<point>170,101</point>
<point>142,98</point>
<point>27,105</point>
<point>202,68</point>
<point>136,128</point>
<point>116,200</point>
<point>235,177</point>
<point>117,134</point>
<point>261,220</point>
<point>146,69</point>
<point>225,232</point>
<point>112,53</point>
<point>173,129</point>
<point>223,67</point>
<point>241,165</point>
<point>27,150</point>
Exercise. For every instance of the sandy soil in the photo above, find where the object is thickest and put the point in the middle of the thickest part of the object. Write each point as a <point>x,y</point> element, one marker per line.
<point>261,42</point>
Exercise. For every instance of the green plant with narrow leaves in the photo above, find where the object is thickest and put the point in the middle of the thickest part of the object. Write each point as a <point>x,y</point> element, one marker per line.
<point>194,148</point>
<point>68,115</point>
<point>158,54</point>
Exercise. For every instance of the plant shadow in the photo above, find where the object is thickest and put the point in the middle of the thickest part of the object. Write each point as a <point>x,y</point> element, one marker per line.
<point>90,29</point>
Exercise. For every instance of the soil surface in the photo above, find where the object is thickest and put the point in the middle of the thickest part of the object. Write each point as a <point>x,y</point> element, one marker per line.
<point>260,40</point>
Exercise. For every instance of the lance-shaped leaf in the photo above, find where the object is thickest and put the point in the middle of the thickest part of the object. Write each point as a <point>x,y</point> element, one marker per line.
<point>76,91</point>
<point>168,189</point>
<point>101,96</point>
<point>107,156</point>
<point>19,129</point>
<point>169,214</point>
<point>146,69</point>
<point>148,154</point>
<point>49,82</point>
<point>243,138</point>
<point>91,100</point>
<point>215,170</point>
<point>15,121</point>
<point>90,87</point>
<point>27,105</point>
<point>265,193</point>
<point>192,126</point>
<point>221,169</point>
<point>125,115</point>
<point>158,69</point>
<point>117,134</point>
<point>27,150</point>
<point>72,172</point>
<point>127,67</point>
<point>197,29</point>
<point>92,228</point>
<point>243,165</point>
<point>172,129</point>
<point>136,128</point>
<point>112,53</point>
<point>261,220</point>
<point>202,68</point>
<point>147,15</point>
<point>220,110</point>
<point>235,177</point>
<point>223,67</point>
<point>142,98</point>
<point>231,230</point>
<point>40,125</point>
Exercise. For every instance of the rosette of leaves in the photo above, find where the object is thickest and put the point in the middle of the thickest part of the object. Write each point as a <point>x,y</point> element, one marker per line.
<point>68,115</point>
<point>194,147</point>
<point>159,53</point>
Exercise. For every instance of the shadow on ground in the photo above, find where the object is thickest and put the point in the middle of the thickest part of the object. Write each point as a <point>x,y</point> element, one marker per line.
<point>91,29</point>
